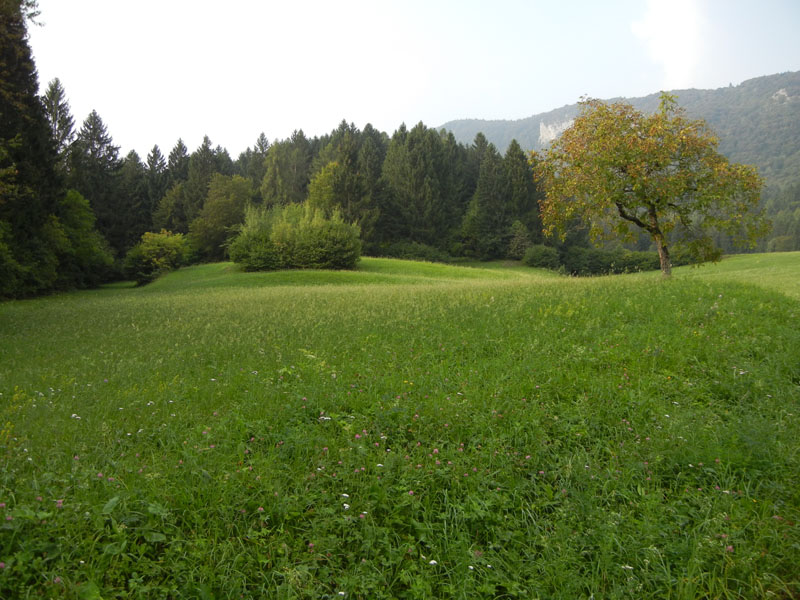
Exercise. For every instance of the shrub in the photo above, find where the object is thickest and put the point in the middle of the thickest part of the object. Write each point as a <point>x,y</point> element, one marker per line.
<point>541,256</point>
<point>155,254</point>
<point>295,236</point>
<point>594,261</point>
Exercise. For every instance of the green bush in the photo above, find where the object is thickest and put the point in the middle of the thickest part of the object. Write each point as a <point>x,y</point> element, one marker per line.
<point>295,236</point>
<point>541,256</point>
<point>155,254</point>
<point>594,261</point>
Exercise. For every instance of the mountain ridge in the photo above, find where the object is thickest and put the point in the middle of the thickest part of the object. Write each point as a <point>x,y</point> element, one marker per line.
<point>757,122</point>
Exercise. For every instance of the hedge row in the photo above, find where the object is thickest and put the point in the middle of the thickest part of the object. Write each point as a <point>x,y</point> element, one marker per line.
<point>575,260</point>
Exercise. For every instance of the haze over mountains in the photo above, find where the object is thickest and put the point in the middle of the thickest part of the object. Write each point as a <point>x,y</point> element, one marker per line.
<point>757,121</point>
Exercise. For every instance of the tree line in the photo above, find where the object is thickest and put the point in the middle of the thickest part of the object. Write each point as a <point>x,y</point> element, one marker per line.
<point>72,208</point>
<point>418,186</point>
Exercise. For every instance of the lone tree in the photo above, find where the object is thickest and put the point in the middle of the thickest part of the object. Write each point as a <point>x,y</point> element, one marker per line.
<point>620,171</point>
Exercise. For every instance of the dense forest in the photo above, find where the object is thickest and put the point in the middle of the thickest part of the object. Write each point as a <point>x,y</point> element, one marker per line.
<point>73,207</point>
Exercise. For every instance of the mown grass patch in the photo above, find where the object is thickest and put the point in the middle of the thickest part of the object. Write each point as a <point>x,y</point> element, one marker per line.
<point>413,431</point>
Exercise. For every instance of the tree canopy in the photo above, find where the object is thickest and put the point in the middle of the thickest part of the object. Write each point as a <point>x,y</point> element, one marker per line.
<point>620,171</point>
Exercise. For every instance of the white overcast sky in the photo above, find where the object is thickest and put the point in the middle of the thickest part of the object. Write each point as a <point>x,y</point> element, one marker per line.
<point>157,70</point>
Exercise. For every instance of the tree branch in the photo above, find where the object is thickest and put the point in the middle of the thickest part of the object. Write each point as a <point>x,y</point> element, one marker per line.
<point>632,218</point>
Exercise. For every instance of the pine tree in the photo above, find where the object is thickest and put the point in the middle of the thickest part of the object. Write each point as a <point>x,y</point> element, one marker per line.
<point>94,171</point>
<point>288,170</point>
<point>523,192</point>
<point>60,118</point>
<point>202,166</point>
<point>47,236</point>
<point>29,183</point>
<point>157,178</point>
<point>134,205</point>
<point>414,207</point>
<point>486,228</point>
<point>178,164</point>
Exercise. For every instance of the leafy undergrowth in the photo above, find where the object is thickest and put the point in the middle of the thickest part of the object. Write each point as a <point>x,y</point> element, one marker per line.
<point>446,433</point>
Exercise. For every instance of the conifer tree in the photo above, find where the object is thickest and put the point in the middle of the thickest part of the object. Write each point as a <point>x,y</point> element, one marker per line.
<point>134,205</point>
<point>156,174</point>
<point>94,171</point>
<point>288,167</point>
<point>523,191</point>
<point>486,228</point>
<point>202,166</point>
<point>29,184</point>
<point>414,207</point>
<point>47,237</point>
<point>178,164</point>
<point>60,118</point>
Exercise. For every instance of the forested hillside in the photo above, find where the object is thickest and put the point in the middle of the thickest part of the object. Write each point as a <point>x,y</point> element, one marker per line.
<point>757,122</point>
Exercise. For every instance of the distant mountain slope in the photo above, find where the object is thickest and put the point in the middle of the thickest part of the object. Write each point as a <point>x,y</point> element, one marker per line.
<point>758,123</point>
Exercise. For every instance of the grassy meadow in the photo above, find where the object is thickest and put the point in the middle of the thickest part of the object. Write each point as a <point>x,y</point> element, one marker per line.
<point>407,430</point>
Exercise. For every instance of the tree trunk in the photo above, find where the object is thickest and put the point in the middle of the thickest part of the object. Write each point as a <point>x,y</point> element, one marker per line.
<point>663,256</point>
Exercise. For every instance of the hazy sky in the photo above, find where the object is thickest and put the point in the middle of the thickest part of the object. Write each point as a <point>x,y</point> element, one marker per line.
<point>157,70</point>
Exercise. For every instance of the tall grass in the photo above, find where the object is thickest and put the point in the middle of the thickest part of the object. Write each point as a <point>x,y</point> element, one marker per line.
<point>407,430</point>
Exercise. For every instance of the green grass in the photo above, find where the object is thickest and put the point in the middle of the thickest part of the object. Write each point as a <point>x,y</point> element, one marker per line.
<point>622,436</point>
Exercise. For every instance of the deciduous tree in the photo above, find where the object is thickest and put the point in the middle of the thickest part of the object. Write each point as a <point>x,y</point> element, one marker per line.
<point>621,171</point>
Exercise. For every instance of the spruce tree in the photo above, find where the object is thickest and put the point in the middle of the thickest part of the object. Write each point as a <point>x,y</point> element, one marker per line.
<point>202,166</point>
<point>156,173</point>
<point>134,205</point>
<point>178,164</point>
<point>30,186</point>
<point>60,118</point>
<point>47,236</point>
<point>414,206</point>
<point>94,171</point>
<point>523,192</point>
<point>486,228</point>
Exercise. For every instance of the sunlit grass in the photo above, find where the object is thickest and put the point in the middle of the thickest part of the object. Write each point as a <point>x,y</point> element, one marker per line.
<point>498,432</point>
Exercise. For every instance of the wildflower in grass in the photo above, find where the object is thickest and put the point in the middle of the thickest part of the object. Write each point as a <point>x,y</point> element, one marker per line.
<point>260,509</point>
<point>728,548</point>
<point>346,506</point>
<point>410,492</point>
<point>99,475</point>
<point>432,562</point>
<point>2,504</point>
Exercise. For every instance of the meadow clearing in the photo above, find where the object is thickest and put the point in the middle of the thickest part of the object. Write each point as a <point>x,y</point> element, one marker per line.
<point>406,430</point>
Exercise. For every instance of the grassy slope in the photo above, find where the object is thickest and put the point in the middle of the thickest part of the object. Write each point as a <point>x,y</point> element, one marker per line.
<point>559,430</point>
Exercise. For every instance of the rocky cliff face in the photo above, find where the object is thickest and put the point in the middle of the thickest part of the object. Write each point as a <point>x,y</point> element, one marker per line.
<point>547,133</point>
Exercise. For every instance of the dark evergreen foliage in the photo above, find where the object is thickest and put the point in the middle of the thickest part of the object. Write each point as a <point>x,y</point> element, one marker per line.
<point>60,119</point>
<point>47,238</point>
